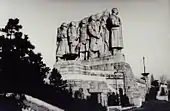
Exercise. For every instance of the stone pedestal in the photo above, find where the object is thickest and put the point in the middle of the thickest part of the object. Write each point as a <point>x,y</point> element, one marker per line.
<point>105,67</point>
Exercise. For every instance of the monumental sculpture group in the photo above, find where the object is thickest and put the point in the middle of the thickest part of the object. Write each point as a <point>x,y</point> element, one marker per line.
<point>96,36</point>
<point>93,47</point>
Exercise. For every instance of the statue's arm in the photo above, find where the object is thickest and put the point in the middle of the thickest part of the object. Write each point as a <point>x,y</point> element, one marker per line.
<point>115,21</point>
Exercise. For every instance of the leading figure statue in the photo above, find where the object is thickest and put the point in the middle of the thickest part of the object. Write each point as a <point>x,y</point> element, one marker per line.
<point>116,39</point>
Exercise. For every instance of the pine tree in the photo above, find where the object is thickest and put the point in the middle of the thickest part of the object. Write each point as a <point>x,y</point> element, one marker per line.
<point>152,78</point>
<point>163,79</point>
<point>56,80</point>
<point>21,69</point>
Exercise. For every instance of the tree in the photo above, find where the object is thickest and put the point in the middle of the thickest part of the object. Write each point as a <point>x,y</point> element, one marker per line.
<point>152,78</point>
<point>56,81</point>
<point>153,90</point>
<point>21,69</point>
<point>163,79</point>
<point>168,84</point>
<point>155,83</point>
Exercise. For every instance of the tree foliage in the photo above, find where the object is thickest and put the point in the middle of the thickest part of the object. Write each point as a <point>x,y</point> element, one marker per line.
<point>22,70</point>
<point>168,84</point>
<point>152,78</point>
<point>153,91</point>
<point>56,80</point>
<point>163,79</point>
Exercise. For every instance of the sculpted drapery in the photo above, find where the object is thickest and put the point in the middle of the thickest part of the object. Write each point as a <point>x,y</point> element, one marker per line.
<point>93,30</point>
<point>62,43</point>
<point>104,33</point>
<point>83,40</point>
<point>72,37</point>
<point>115,30</point>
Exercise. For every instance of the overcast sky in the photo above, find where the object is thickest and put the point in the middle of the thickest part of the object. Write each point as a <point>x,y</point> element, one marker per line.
<point>145,27</point>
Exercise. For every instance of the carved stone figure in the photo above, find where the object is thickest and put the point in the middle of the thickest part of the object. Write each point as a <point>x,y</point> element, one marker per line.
<point>94,37</point>
<point>62,43</point>
<point>98,17</point>
<point>83,41</point>
<point>98,29</point>
<point>105,15</point>
<point>72,37</point>
<point>116,40</point>
<point>104,34</point>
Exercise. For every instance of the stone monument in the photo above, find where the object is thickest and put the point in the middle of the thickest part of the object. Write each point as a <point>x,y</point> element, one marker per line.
<point>93,49</point>
<point>72,37</point>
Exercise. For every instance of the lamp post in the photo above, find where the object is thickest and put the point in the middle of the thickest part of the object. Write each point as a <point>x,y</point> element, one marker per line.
<point>119,68</point>
<point>145,75</point>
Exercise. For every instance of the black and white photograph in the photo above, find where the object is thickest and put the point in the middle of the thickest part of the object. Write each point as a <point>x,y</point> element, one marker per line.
<point>84,55</point>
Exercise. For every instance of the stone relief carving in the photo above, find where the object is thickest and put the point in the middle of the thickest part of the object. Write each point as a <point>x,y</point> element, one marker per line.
<point>105,15</point>
<point>93,31</point>
<point>83,40</point>
<point>115,28</point>
<point>99,35</point>
<point>62,43</point>
<point>72,37</point>
<point>104,34</point>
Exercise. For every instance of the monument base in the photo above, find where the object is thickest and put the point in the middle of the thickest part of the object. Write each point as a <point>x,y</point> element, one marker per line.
<point>97,73</point>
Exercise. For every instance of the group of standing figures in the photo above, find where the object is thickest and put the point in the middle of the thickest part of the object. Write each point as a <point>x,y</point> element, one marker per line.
<point>96,36</point>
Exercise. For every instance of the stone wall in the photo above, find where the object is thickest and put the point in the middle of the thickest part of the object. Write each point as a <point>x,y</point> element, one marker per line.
<point>106,68</point>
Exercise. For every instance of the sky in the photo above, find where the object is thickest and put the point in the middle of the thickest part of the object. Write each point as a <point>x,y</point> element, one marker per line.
<point>146,25</point>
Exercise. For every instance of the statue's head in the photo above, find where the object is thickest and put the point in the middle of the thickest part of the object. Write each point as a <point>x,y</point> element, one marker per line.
<point>73,23</point>
<point>103,22</point>
<point>92,18</point>
<point>64,25</point>
<point>106,13</point>
<point>98,17</point>
<point>115,11</point>
<point>83,22</point>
